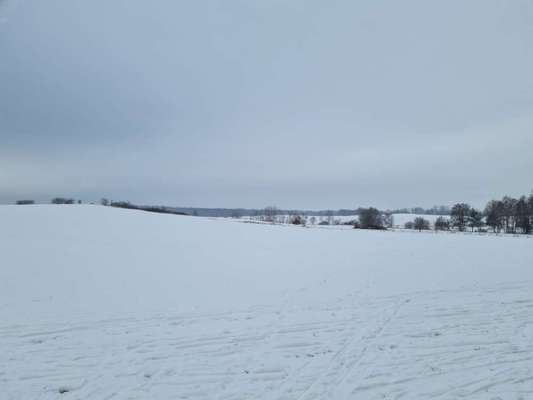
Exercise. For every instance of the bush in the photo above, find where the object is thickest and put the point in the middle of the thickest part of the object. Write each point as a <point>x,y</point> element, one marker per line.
<point>371,218</point>
<point>409,225</point>
<point>297,220</point>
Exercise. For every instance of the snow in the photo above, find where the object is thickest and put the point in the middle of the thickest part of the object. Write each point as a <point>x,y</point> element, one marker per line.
<point>104,303</point>
<point>401,219</point>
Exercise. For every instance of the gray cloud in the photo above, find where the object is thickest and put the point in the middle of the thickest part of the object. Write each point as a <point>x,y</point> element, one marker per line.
<point>302,104</point>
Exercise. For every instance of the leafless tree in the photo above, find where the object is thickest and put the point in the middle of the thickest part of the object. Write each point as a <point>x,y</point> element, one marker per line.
<point>459,215</point>
<point>421,224</point>
<point>271,213</point>
<point>442,224</point>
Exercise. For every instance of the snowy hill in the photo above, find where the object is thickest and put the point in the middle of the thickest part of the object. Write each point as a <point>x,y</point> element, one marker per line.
<point>102,303</point>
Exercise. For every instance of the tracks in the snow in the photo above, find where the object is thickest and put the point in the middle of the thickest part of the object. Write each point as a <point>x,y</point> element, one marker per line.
<point>472,342</point>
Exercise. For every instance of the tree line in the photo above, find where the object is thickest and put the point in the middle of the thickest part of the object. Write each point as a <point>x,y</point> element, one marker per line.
<point>508,215</point>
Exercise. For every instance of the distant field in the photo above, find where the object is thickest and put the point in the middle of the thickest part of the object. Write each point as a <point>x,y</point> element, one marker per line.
<point>105,303</point>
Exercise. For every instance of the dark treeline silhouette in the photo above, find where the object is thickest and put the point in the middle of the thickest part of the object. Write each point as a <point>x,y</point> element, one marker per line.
<point>255,212</point>
<point>62,200</point>
<point>24,202</point>
<point>156,209</point>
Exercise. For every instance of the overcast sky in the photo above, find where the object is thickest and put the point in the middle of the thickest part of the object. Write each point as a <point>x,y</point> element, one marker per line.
<point>300,103</point>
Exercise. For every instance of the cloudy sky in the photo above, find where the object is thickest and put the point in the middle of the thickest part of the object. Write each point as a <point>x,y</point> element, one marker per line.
<point>301,103</point>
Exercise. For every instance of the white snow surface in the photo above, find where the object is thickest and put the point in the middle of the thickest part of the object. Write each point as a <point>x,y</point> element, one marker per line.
<point>104,303</point>
<point>401,219</point>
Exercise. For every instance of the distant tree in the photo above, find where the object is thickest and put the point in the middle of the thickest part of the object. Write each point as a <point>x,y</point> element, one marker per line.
<point>523,215</point>
<point>104,201</point>
<point>418,210</point>
<point>312,220</point>
<point>459,215</point>
<point>494,215</point>
<point>509,211</point>
<point>371,218</point>
<point>271,213</point>
<point>297,220</point>
<point>122,204</point>
<point>409,225</point>
<point>388,220</point>
<point>421,224</point>
<point>62,200</point>
<point>329,214</point>
<point>530,208</point>
<point>475,219</point>
<point>24,202</point>
<point>236,214</point>
<point>442,224</point>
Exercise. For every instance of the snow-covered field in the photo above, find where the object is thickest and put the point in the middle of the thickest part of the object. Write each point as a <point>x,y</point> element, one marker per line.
<point>103,303</point>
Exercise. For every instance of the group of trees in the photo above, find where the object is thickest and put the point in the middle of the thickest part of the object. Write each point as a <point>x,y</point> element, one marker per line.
<point>419,223</point>
<point>435,210</point>
<point>510,215</point>
<point>463,216</point>
<point>55,200</point>
<point>24,202</point>
<point>63,200</point>
<point>507,215</point>
<point>130,206</point>
<point>372,218</point>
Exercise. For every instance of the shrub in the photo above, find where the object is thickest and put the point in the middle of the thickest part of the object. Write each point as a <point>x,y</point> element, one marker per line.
<point>371,218</point>
<point>297,220</point>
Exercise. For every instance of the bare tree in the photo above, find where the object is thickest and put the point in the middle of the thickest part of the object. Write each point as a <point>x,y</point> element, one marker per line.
<point>442,224</point>
<point>523,215</point>
<point>329,214</point>
<point>475,219</point>
<point>421,224</point>
<point>509,208</point>
<point>494,215</point>
<point>459,215</point>
<point>388,220</point>
<point>270,213</point>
